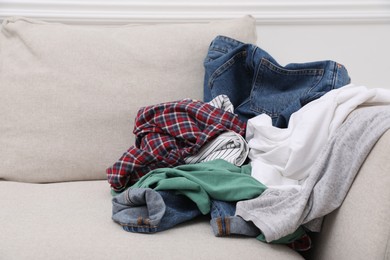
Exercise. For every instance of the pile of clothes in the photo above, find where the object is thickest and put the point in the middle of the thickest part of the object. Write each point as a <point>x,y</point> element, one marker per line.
<point>268,153</point>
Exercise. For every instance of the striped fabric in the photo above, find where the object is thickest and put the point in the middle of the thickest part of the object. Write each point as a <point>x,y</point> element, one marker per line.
<point>222,102</point>
<point>228,146</point>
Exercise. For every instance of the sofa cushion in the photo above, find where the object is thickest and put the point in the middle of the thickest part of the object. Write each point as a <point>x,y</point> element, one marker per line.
<point>72,220</point>
<point>70,93</point>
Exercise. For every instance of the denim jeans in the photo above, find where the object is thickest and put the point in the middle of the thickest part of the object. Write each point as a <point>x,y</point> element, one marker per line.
<point>224,222</point>
<point>255,83</point>
<point>144,210</point>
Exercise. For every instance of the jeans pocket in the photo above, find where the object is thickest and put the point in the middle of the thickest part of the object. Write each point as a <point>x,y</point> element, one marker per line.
<point>229,76</point>
<point>214,53</point>
<point>277,88</point>
<point>235,65</point>
<point>221,46</point>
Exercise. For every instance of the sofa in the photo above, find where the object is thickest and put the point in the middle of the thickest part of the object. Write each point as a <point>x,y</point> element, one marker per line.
<point>69,96</point>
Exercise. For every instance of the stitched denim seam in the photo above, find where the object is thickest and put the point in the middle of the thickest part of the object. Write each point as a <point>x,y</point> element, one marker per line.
<point>218,49</point>
<point>137,226</point>
<point>227,225</point>
<point>221,69</point>
<point>335,75</point>
<point>228,39</point>
<point>278,69</point>
<point>318,73</point>
<point>128,199</point>
<point>219,225</point>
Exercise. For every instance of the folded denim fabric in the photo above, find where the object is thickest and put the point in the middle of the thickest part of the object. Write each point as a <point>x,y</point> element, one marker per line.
<point>225,223</point>
<point>144,210</point>
<point>256,84</point>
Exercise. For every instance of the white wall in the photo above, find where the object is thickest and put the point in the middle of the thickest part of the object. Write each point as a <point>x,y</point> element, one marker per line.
<point>265,11</point>
<point>355,33</point>
<point>363,48</point>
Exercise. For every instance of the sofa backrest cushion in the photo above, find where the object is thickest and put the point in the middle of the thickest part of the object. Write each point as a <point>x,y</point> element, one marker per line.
<point>70,93</point>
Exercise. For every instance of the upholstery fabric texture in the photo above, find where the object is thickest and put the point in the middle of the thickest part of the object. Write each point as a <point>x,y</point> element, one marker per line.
<point>70,93</point>
<point>72,220</point>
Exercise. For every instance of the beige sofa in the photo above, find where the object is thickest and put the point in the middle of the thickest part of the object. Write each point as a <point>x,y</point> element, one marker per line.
<point>68,99</point>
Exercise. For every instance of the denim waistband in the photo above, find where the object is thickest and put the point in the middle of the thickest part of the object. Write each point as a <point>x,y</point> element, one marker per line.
<point>225,44</point>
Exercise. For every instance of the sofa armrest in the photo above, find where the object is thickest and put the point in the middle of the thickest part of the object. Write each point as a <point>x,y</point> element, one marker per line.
<point>360,228</point>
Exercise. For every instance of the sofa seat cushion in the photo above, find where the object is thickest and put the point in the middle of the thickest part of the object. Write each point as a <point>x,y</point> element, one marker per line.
<point>72,220</point>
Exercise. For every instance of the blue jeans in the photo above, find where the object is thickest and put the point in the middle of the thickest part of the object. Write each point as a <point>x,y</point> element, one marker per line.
<point>144,210</point>
<point>224,222</point>
<point>255,83</point>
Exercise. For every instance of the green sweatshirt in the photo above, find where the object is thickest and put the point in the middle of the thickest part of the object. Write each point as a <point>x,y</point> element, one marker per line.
<point>201,182</point>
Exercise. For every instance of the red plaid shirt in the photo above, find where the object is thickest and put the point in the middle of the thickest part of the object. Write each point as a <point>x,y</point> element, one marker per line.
<point>166,134</point>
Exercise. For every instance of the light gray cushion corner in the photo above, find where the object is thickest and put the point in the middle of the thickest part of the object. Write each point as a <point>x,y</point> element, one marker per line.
<point>69,93</point>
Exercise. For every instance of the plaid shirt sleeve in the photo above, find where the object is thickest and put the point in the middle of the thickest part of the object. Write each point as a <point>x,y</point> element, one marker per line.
<point>166,134</point>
